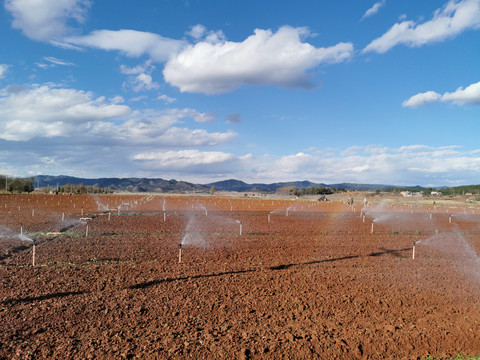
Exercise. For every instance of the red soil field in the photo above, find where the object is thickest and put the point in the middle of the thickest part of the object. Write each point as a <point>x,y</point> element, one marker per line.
<point>314,284</point>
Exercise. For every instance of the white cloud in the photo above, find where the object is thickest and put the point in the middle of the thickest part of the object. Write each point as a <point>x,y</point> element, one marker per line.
<point>374,9</point>
<point>468,96</point>
<point>45,19</point>
<point>146,67</point>
<point>143,80</point>
<point>131,42</point>
<point>53,62</point>
<point>3,70</point>
<point>166,99</point>
<point>199,32</point>
<point>40,112</point>
<point>265,58</point>
<point>407,165</point>
<point>47,112</point>
<point>421,99</point>
<point>451,20</point>
<point>117,99</point>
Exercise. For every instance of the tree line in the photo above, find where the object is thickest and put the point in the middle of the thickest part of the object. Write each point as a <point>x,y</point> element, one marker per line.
<point>11,184</point>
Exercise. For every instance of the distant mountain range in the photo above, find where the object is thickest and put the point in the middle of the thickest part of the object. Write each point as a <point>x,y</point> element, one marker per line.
<point>174,186</point>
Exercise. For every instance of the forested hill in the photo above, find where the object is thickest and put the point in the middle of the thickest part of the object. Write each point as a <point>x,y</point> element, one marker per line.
<point>161,185</point>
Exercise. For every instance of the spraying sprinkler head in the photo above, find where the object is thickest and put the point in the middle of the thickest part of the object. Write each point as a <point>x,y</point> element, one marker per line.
<point>179,253</point>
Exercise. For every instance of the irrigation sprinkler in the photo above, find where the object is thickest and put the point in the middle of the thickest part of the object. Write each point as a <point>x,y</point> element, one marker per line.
<point>206,212</point>
<point>33,212</point>
<point>286,212</point>
<point>240,223</point>
<point>86,231</point>
<point>179,253</point>
<point>364,218</point>
<point>109,215</point>
<point>413,250</point>
<point>449,219</point>
<point>21,229</point>
<point>63,216</point>
<point>371,231</point>
<point>33,254</point>
<point>164,216</point>
<point>268,217</point>
<point>430,216</point>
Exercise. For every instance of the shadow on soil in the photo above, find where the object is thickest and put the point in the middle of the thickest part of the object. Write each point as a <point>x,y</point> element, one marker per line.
<point>14,251</point>
<point>286,266</point>
<point>396,253</point>
<point>156,282</point>
<point>29,299</point>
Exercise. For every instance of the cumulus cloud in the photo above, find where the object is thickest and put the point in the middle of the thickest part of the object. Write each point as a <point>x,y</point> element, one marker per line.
<point>3,70</point>
<point>214,65</point>
<point>130,42</point>
<point>406,165</point>
<point>140,78</point>
<point>45,20</point>
<point>421,99</point>
<point>199,32</point>
<point>451,20</point>
<point>374,9</point>
<point>265,58</point>
<point>144,82</point>
<point>468,96</point>
<point>48,112</point>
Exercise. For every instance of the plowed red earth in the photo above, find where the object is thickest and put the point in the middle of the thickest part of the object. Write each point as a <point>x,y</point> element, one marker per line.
<point>314,284</point>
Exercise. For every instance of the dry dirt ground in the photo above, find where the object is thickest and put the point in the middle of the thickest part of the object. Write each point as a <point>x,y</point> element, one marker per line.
<point>317,283</point>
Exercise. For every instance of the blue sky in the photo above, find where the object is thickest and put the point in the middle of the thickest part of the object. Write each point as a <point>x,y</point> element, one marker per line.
<point>261,91</point>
